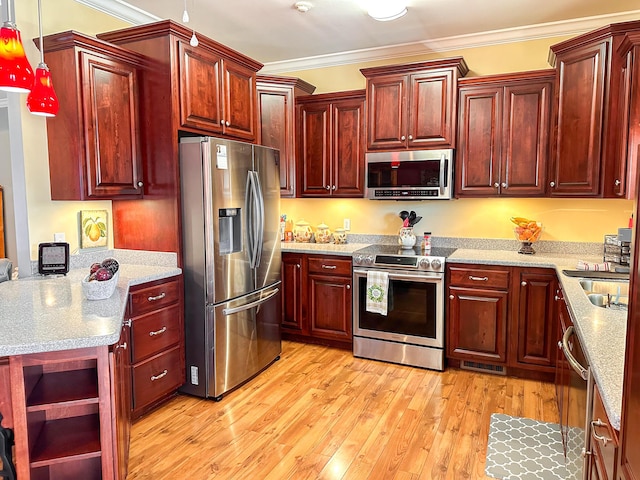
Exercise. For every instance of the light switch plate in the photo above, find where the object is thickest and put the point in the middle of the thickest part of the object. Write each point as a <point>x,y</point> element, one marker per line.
<point>58,237</point>
<point>346,224</point>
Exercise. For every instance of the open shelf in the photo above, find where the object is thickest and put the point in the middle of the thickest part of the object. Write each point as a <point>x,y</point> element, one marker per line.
<point>68,387</point>
<point>67,439</point>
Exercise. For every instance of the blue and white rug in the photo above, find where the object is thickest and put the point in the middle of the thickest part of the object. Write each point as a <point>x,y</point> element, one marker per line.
<point>525,449</point>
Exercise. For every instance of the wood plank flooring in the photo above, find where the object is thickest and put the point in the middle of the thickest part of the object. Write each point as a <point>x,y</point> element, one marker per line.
<point>320,413</point>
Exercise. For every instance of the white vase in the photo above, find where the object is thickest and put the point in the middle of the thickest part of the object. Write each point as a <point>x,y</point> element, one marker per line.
<point>407,238</point>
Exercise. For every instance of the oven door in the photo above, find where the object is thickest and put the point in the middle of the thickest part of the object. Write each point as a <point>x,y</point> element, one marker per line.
<point>415,314</point>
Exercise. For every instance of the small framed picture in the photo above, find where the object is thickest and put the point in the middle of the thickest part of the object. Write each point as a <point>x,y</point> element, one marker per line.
<point>93,228</point>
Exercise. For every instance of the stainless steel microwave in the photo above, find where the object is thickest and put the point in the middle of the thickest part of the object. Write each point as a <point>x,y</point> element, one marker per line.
<point>409,175</point>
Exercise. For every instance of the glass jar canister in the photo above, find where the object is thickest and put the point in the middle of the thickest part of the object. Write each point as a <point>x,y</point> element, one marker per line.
<point>323,234</point>
<point>302,232</point>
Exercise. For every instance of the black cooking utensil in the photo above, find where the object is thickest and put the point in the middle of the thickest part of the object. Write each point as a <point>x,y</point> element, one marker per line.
<point>412,217</point>
<point>404,214</point>
<point>416,220</point>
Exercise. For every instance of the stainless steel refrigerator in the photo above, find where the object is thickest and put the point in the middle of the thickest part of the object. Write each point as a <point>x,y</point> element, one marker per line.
<point>230,195</point>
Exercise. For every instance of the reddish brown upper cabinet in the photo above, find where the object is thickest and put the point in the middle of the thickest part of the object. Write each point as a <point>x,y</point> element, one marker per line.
<point>217,94</point>
<point>94,141</point>
<point>276,122</point>
<point>330,144</point>
<point>592,105</point>
<point>413,106</point>
<point>503,134</point>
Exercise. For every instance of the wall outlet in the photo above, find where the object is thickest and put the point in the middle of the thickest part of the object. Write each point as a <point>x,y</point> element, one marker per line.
<point>346,224</point>
<point>58,237</point>
<point>194,375</point>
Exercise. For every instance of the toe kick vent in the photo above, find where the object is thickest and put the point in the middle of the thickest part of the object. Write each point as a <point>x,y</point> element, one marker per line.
<point>483,367</point>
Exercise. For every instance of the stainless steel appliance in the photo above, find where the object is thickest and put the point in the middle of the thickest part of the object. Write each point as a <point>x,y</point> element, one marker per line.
<point>231,242</point>
<point>576,407</point>
<point>412,332</point>
<point>409,175</point>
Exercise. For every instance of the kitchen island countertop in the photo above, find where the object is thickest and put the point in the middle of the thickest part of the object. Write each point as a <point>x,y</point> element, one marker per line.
<point>44,314</point>
<point>602,331</point>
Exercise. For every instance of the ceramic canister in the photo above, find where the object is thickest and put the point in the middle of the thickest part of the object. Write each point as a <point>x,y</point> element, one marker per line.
<point>323,234</point>
<point>302,232</point>
<point>339,236</point>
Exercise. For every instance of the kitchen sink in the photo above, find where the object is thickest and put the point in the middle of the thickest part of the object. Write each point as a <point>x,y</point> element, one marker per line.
<point>607,293</point>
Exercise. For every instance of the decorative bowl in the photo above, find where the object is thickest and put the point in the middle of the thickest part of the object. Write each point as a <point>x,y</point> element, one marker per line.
<point>528,235</point>
<point>96,290</point>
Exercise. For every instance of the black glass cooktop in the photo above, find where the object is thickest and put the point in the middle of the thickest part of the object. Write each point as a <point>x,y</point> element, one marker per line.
<point>396,250</point>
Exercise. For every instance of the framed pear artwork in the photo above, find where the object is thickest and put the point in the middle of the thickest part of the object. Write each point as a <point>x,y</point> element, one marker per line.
<point>93,228</point>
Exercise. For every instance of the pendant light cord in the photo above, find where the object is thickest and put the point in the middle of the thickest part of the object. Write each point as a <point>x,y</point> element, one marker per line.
<point>40,32</point>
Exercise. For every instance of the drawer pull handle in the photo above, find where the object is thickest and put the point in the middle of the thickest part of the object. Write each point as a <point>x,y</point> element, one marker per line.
<point>157,297</point>
<point>330,267</point>
<point>159,376</point>
<point>600,438</point>
<point>158,332</point>
<point>478,279</point>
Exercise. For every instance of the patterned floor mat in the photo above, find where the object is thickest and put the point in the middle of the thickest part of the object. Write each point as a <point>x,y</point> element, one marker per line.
<point>525,449</point>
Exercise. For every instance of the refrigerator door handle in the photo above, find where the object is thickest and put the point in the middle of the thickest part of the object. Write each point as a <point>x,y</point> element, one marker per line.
<point>251,217</point>
<point>260,206</point>
<point>248,306</point>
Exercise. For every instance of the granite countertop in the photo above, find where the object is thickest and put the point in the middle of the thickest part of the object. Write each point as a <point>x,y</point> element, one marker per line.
<point>345,249</point>
<point>43,314</point>
<point>602,331</point>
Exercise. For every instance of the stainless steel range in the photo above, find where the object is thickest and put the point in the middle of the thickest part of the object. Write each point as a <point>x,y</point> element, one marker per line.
<point>412,331</point>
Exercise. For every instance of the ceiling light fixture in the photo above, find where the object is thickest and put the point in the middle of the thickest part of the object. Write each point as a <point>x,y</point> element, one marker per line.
<point>42,100</point>
<point>385,10</point>
<point>16,74</point>
<point>303,7</point>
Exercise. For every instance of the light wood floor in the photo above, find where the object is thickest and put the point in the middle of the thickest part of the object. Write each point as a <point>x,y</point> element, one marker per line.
<point>320,413</point>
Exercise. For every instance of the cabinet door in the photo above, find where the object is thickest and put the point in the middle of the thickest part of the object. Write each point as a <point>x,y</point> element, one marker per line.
<point>110,102</point>
<point>576,162</point>
<point>616,183</point>
<point>431,110</point>
<point>239,101</point>
<point>525,138</point>
<point>348,148</point>
<point>478,162</point>
<point>314,169</point>
<point>330,307</point>
<point>535,327</point>
<point>293,293</point>
<point>121,394</point>
<point>200,94</point>
<point>275,130</point>
<point>477,323</point>
<point>387,112</point>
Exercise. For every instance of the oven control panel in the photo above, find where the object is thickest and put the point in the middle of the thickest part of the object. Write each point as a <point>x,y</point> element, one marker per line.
<point>422,263</point>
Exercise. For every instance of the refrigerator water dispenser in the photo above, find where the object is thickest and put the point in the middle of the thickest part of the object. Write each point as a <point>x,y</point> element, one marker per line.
<point>230,223</point>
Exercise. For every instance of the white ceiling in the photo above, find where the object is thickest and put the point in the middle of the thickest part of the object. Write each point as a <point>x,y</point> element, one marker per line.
<point>274,32</point>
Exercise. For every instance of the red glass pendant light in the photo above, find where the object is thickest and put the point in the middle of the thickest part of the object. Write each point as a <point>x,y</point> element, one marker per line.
<point>42,99</point>
<point>16,74</point>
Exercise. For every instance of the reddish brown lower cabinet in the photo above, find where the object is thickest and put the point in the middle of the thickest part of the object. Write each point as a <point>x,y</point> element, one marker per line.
<point>317,299</point>
<point>156,353</point>
<point>502,317</point>
<point>120,368</point>
<point>604,442</point>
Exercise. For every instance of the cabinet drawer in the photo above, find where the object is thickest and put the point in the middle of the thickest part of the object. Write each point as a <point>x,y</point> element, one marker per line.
<point>154,332</point>
<point>329,265</point>
<point>601,429</point>
<point>479,277</point>
<point>153,297</point>
<point>156,377</point>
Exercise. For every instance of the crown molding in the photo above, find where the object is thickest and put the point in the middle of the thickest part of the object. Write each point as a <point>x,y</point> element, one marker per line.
<point>121,10</point>
<point>457,42</point>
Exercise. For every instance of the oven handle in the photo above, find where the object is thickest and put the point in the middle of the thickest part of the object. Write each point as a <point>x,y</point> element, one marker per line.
<point>579,369</point>
<point>424,276</point>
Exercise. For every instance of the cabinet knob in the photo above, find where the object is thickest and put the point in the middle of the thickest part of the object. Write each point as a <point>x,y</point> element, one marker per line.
<point>333,187</point>
<point>504,185</point>
<point>496,185</point>
<point>552,184</point>
<point>221,121</point>
<point>524,284</point>
<point>348,287</point>
<point>560,345</point>
<point>327,187</point>
<point>227,123</point>
<point>403,137</point>
<point>410,137</point>
<point>451,297</point>
<point>617,183</point>
<point>121,345</point>
<point>297,265</point>
<point>140,184</point>
<point>556,298</point>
